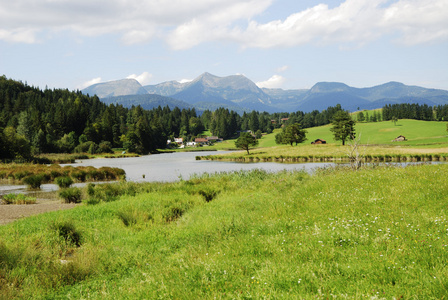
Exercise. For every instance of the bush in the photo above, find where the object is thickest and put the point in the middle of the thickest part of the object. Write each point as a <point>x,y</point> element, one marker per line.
<point>173,213</point>
<point>105,147</point>
<point>92,149</point>
<point>79,175</point>
<point>63,182</point>
<point>67,231</point>
<point>71,195</point>
<point>131,215</point>
<point>33,181</point>
<point>208,195</point>
<point>55,174</point>
<point>128,216</point>
<point>84,147</point>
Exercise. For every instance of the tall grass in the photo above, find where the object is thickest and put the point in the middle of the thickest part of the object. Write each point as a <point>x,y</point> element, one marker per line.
<point>19,173</point>
<point>378,233</point>
<point>18,199</point>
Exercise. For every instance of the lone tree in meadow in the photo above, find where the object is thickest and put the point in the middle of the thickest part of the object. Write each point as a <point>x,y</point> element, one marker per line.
<point>394,120</point>
<point>293,133</point>
<point>246,141</point>
<point>343,126</point>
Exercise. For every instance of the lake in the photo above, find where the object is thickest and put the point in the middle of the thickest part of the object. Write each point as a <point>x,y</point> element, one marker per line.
<point>168,167</point>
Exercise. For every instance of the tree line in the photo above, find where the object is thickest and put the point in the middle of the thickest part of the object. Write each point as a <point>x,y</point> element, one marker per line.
<point>415,111</point>
<point>34,121</point>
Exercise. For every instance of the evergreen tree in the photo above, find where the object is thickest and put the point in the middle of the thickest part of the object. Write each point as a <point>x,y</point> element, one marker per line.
<point>291,134</point>
<point>343,126</point>
<point>246,141</point>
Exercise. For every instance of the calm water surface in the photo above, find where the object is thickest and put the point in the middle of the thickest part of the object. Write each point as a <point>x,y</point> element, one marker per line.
<point>168,167</point>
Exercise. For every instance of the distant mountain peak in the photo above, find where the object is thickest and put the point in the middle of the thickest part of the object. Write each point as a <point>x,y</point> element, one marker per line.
<point>113,88</point>
<point>237,92</point>
<point>326,87</point>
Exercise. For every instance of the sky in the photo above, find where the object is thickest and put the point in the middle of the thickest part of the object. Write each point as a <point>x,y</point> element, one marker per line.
<point>288,44</point>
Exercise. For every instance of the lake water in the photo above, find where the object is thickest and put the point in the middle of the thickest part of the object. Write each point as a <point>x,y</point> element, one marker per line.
<point>169,167</point>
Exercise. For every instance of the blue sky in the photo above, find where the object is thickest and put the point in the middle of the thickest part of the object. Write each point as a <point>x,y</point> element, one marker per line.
<point>288,44</point>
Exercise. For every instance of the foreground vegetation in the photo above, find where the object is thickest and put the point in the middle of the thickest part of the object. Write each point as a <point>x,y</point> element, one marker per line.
<point>33,174</point>
<point>378,233</point>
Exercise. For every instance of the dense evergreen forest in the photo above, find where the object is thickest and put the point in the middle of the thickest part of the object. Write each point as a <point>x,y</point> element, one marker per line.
<point>415,112</point>
<point>34,121</point>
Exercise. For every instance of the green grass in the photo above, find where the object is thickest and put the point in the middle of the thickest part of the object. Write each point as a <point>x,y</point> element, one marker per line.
<point>418,133</point>
<point>18,199</point>
<point>424,140</point>
<point>377,233</point>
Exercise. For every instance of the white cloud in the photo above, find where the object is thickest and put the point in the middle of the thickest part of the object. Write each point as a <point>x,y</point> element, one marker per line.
<point>89,83</point>
<point>354,21</point>
<point>136,21</point>
<point>185,80</point>
<point>418,21</point>
<point>26,36</point>
<point>282,69</point>
<point>275,81</point>
<point>143,79</point>
<point>186,23</point>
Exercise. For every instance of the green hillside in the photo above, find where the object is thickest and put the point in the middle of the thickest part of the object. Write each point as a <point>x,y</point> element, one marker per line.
<point>417,133</point>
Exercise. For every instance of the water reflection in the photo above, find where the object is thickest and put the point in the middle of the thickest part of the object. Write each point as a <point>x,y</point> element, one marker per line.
<point>168,167</point>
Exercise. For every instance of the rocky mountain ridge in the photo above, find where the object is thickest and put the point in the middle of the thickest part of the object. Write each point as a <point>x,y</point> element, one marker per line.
<point>239,93</point>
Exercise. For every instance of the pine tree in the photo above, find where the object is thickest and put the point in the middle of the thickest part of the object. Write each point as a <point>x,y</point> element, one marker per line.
<point>343,126</point>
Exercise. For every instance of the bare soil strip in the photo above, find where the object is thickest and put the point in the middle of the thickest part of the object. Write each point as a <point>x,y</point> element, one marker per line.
<point>12,212</point>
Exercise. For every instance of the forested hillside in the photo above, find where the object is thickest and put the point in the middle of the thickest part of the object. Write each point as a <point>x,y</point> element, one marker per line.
<point>34,121</point>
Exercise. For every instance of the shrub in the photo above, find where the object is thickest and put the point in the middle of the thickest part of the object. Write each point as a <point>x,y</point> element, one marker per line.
<point>71,195</point>
<point>132,215</point>
<point>55,174</point>
<point>91,189</point>
<point>67,231</point>
<point>84,147</point>
<point>21,175</point>
<point>173,213</point>
<point>79,175</point>
<point>208,195</point>
<point>63,181</point>
<point>105,147</point>
<point>33,181</point>
<point>92,148</point>
<point>128,216</point>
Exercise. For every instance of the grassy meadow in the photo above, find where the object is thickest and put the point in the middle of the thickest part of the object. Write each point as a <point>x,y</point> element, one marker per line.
<point>424,140</point>
<point>378,233</point>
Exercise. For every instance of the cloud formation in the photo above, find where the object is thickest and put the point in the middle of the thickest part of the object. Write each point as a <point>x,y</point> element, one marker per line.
<point>275,81</point>
<point>89,83</point>
<point>143,79</point>
<point>183,24</point>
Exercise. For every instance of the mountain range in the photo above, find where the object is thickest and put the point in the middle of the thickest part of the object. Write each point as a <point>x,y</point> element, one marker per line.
<point>240,94</point>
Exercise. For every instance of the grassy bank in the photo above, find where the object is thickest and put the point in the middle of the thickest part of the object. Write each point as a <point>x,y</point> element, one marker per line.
<point>18,173</point>
<point>332,153</point>
<point>376,233</point>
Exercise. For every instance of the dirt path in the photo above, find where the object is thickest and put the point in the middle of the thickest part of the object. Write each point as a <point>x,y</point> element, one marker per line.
<point>10,213</point>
